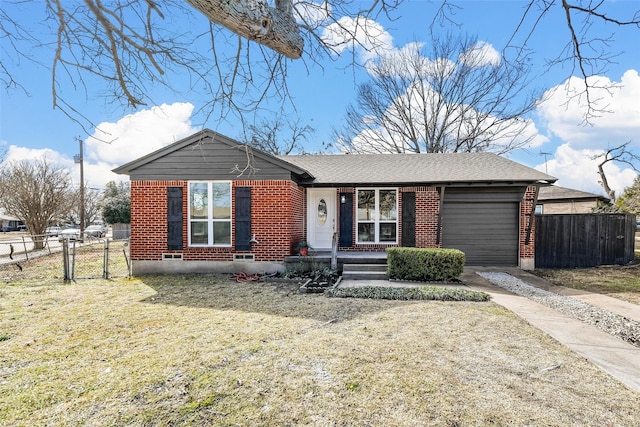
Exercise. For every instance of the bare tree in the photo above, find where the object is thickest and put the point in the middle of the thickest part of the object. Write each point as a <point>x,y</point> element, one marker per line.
<point>619,154</point>
<point>278,137</point>
<point>132,45</point>
<point>36,192</point>
<point>459,96</point>
<point>91,206</point>
<point>92,211</point>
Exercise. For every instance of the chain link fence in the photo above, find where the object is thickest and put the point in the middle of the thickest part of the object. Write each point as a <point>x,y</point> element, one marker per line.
<point>49,258</point>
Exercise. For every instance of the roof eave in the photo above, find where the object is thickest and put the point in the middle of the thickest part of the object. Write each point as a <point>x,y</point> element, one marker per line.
<point>485,183</point>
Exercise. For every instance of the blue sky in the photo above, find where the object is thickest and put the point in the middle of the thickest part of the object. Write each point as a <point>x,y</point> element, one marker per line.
<point>30,128</point>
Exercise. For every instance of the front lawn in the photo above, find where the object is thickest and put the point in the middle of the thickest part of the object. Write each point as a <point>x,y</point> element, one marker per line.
<point>205,350</point>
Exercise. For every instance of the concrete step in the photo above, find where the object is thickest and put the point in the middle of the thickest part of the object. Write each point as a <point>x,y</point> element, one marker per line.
<point>365,267</point>
<point>364,272</point>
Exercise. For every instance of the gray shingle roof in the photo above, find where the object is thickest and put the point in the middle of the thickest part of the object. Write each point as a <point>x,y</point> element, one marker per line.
<point>554,192</point>
<point>415,168</point>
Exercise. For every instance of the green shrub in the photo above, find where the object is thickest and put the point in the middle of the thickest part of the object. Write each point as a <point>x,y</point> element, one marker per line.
<point>424,264</point>
<point>435,293</point>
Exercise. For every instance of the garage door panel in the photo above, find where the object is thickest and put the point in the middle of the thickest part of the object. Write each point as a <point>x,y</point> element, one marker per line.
<point>486,231</point>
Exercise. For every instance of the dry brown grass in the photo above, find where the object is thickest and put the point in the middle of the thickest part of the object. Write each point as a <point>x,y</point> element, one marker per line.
<point>202,350</point>
<point>622,282</point>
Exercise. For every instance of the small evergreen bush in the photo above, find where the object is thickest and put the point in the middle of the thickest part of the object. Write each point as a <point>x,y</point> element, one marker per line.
<point>434,293</point>
<point>424,264</point>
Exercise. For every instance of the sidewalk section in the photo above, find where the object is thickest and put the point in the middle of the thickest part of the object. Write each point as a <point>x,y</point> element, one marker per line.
<point>614,356</point>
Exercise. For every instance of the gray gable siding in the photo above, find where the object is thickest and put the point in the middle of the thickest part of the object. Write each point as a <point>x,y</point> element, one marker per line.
<point>207,161</point>
<point>206,156</point>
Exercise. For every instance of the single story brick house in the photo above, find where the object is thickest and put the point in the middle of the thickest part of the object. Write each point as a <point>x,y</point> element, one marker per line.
<point>208,204</point>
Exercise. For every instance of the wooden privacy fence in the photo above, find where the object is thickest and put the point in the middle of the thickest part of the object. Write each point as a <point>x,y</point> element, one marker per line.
<point>584,240</point>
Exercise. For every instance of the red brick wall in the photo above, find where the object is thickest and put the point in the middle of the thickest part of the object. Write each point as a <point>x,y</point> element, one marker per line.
<point>354,239</point>
<point>427,210</point>
<point>276,221</point>
<point>298,216</point>
<point>149,218</point>
<point>526,210</point>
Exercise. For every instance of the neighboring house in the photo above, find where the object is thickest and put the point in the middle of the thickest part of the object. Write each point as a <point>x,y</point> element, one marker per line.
<point>9,223</point>
<point>560,200</point>
<point>193,210</point>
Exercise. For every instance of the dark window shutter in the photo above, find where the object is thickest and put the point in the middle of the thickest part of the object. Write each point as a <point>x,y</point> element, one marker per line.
<point>243,218</point>
<point>409,219</point>
<point>174,218</point>
<point>346,220</point>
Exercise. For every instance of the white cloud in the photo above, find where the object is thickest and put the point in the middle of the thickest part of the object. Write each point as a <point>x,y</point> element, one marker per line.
<point>133,136</point>
<point>565,106</point>
<point>365,35</point>
<point>480,54</point>
<point>575,169</point>
<point>409,63</point>
<point>563,112</point>
<point>17,154</point>
<point>140,133</point>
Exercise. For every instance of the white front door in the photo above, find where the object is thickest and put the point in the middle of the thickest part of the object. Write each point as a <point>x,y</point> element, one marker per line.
<point>321,217</point>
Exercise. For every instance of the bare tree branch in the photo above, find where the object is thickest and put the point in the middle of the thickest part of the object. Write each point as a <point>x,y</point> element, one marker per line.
<point>132,46</point>
<point>619,154</point>
<point>255,20</point>
<point>250,167</point>
<point>279,136</point>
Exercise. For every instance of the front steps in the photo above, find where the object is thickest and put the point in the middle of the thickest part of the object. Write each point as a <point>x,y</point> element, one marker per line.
<point>353,265</point>
<point>375,271</point>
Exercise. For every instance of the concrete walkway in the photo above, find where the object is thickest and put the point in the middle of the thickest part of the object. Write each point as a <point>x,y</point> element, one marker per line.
<point>613,355</point>
<point>619,359</point>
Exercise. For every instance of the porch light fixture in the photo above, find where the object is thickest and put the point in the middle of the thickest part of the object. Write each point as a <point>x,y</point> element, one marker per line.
<point>343,198</point>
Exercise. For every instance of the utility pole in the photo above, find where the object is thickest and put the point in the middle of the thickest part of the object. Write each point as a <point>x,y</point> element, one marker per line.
<point>79,158</point>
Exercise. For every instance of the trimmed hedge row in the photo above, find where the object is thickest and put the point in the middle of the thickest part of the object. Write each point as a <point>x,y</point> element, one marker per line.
<point>424,264</point>
<point>434,293</point>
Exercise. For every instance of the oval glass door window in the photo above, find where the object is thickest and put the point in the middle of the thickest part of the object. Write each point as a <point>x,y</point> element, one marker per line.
<point>322,212</point>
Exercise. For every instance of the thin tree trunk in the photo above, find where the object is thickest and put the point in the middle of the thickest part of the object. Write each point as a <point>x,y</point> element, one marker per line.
<point>604,183</point>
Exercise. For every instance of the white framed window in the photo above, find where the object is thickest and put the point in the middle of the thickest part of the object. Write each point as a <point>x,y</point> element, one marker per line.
<point>377,215</point>
<point>210,213</point>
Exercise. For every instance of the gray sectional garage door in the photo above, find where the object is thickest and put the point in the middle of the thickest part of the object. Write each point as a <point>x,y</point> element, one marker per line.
<point>485,226</point>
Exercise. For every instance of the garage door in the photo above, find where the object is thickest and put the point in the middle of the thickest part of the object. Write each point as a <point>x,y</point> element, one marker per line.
<point>487,232</point>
